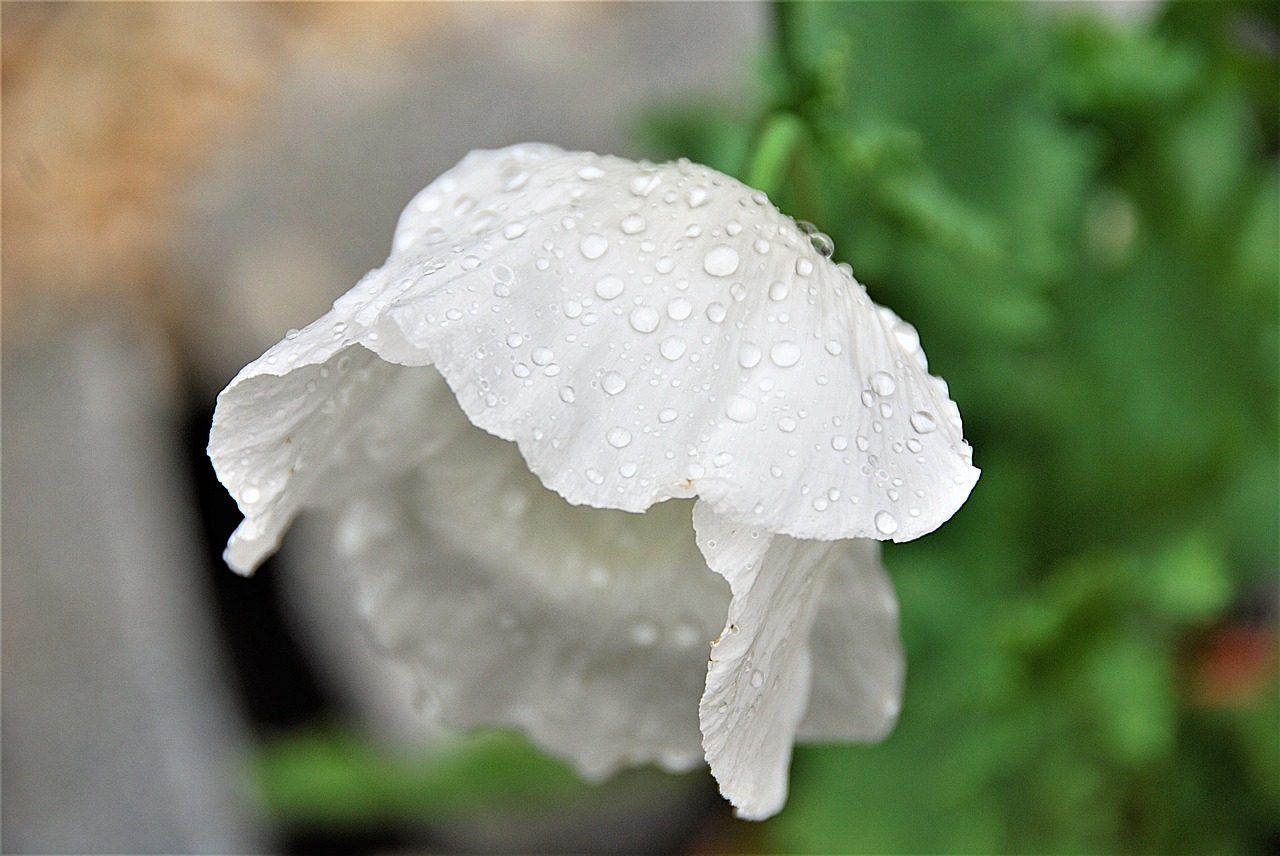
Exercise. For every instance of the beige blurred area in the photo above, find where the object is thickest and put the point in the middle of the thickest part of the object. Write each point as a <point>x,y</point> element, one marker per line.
<point>181,184</point>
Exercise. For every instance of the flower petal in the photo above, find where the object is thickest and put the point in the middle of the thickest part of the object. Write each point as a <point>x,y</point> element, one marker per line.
<point>587,629</point>
<point>758,681</point>
<point>615,317</point>
<point>858,674</point>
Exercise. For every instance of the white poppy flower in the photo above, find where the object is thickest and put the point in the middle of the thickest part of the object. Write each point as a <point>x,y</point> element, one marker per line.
<point>578,387</point>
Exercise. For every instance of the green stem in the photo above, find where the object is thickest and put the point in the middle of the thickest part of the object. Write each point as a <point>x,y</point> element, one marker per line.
<point>773,152</point>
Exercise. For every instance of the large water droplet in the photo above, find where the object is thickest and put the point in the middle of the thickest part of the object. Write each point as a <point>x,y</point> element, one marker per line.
<point>804,267</point>
<point>667,414</point>
<point>757,679</point>
<point>566,394</point>
<point>923,422</point>
<point>609,286</point>
<point>749,355</point>
<point>633,224</point>
<point>644,183</point>
<point>593,246</point>
<point>513,231</point>
<point>839,442</point>
<point>779,291</point>
<point>590,173</point>
<point>720,260</point>
<point>542,356</point>
<point>833,347</point>
<point>785,354</point>
<point>672,347</point>
<point>618,437</point>
<point>613,383</point>
<point>644,319</point>
<point>716,312</point>
<point>883,384</point>
<point>740,409</point>
<point>886,522</point>
<point>698,196</point>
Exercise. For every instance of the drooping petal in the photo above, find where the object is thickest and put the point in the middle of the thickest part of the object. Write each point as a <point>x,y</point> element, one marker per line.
<point>644,332</point>
<point>759,678</point>
<point>311,421</point>
<point>587,629</point>
<point>859,669</point>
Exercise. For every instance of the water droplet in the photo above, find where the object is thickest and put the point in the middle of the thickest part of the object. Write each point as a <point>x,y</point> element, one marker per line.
<point>804,267</point>
<point>593,246</point>
<point>757,679</point>
<point>886,410</point>
<point>513,231</point>
<point>820,503</point>
<point>609,286</point>
<point>740,409</point>
<point>720,260</point>
<point>749,355</point>
<point>862,443</point>
<point>883,384</point>
<point>590,172</point>
<point>923,422</point>
<point>470,262</point>
<point>761,246</point>
<point>698,197</point>
<point>516,181</point>
<point>785,354</point>
<point>627,470</point>
<point>666,264</point>
<point>515,340</point>
<point>786,424</point>
<point>566,394</point>
<point>618,437</point>
<point>779,291</point>
<point>572,309</point>
<point>542,356</point>
<point>834,348</point>
<point>594,476</point>
<point>501,289</point>
<point>644,634</point>
<point>839,442</point>
<point>716,312</point>
<point>644,319</point>
<point>250,495</point>
<point>613,383</point>
<point>672,347</point>
<point>823,244</point>
<point>667,414</point>
<point>886,522</point>
<point>520,370</point>
<point>644,183</point>
<point>679,309</point>
<point>633,224</point>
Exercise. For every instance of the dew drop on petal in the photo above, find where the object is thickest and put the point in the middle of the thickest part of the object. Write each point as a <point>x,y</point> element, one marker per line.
<point>757,679</point>
<point>716,312</point>
<point>515,340</point>
<point>542,356</point>
<point>786,424</point>
<point>618,437</point>
<point>644,183</point>
<point>594,476</point>
<point>470,262</point>
<point>779,291</point>
<point>667,414</point>
<point>590,173</point>
<point>609,286</point>
<point>672,347</point>
<point>520,370</point>
<point>666,264</point>
<point>613,383</point>
<point>572,309</point>
<point>593,246</point>
<point>566,394</point>
<point>740,409</point>
<point>720,260</point>
<point>679,309</point>
<point>761,246</point>
<point>883,384</point>
<point>833,347</point>
<point>633,224</point>
<point>839,442</point>
<point>644,319</point>
<point>886,522</point>
<point>923,422</point>
<point>785,354</point>
<point>698,197</point>
<point>250,495</point>
<point>804,267</point>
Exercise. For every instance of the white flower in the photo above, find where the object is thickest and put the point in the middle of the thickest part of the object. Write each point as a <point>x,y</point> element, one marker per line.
<point>631,338</point>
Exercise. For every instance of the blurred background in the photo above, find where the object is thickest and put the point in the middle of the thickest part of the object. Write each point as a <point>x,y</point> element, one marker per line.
<point>1076,204</point>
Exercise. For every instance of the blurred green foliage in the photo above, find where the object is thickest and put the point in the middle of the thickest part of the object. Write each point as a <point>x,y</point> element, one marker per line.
<point>1080,217</point>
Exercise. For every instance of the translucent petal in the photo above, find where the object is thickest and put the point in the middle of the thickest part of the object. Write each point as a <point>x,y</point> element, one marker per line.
<point>758,680</point>
<point>587,629</point>
<point>859,666</point>
<point>608,315</point>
